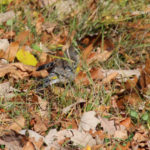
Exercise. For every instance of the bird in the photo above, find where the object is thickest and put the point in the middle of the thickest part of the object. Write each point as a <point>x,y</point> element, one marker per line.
<point>62,70</point>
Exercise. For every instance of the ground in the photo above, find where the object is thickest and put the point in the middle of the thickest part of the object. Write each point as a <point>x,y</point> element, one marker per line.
<point>106,106</point>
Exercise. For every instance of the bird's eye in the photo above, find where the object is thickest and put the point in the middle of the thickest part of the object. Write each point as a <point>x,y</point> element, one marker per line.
<point>49,65</point>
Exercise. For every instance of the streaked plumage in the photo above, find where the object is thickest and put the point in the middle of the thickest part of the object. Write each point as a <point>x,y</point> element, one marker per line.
<point>61,70</point>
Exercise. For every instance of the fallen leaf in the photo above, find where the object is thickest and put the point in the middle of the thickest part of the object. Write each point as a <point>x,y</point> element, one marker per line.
<point>96,74</point>
<point>109,78</point>
<point>6,90</point>
<point>11,52</point>
<point>4,44</point>
<point>88,121</point>
<point>26,58</point>
<point>122,147</point>
<point>16,70</point>
<point>100,57</point>
<point>103,52</point>
<point>123,75</point>
<point>68,108</point>
<point>145,76</point>
<point>18,124</point>
<point>24,38</point>
<point>133,99</point>
<point>87,51</point>
<point>39,125</point>
<point>35,141</point>
<point>69,124</point>
<point>5,2</point>
<point>43,58</point>
<point>78,138</point>
<point>43,104</point>
<point>49,27</point>
<point>131,84</point>
<point>23,67</point>
<point>6,16</point>
<point>29,146</point>
<point>126,122</point>
<point>138,25</point>
<point>41,73</point>
<point>59,39</point>
<point>141,138</point>
<point>32,134</point>
<point>107,125</point>
<point>38,25</point>
<point>9,35</point>
<point>121,133</point>
<point>13,140</point>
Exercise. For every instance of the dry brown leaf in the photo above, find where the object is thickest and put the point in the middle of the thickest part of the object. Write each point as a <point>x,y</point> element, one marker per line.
<point>87,51</point>
<point>13,140</point>
<point>1,31</point>
<point>121,132</point>
<point>43,104</point>
<point>9,35</point>
<point>61,38</point>
<point>4,44</point>
<point>29,146</point>
<point>7,91</point>
<point>100,135</point>
<point>22,67</point>
<point>101,57</point>
<point>6,16</point>
<point>126,122</point>
<point>38,25</point>
<point>145,76</point>
<point>138,25</point>
<point>103,52</point>
<point>133,99</point>
<point>11,52</point>
<point>89,121</point>
<point>96,74</point>
<point>2,54</point>
<point>37,144</point>
<point>45,37</point>
<point>6,69</point>
<point>42,58</point>
<point>141,138</point>
<point>109,78</point>
<point>69,123</point>
<point>77,138</point>
<point>68,108</point>
<point>18,124</point>
<point>107,125</point>
<point>18,74</point>
<point>16,70</point>
<point>131,84</point>
<point>126,147</point>
<point>123,75</point>
<point>41,73</point>
<point>39,125</point>
<point>25,38</point>
<point>49,27</point>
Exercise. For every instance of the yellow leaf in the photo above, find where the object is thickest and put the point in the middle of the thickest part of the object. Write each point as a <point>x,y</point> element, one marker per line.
<point>26,58</point>
<point>88,147</point>
<point>5,2</point>
<point>78,69</point>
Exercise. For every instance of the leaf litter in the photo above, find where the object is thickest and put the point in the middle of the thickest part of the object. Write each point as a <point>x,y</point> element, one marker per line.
<point>113,101</point>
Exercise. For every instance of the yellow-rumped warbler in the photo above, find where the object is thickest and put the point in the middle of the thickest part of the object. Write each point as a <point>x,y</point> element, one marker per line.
<point>62,70</point>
